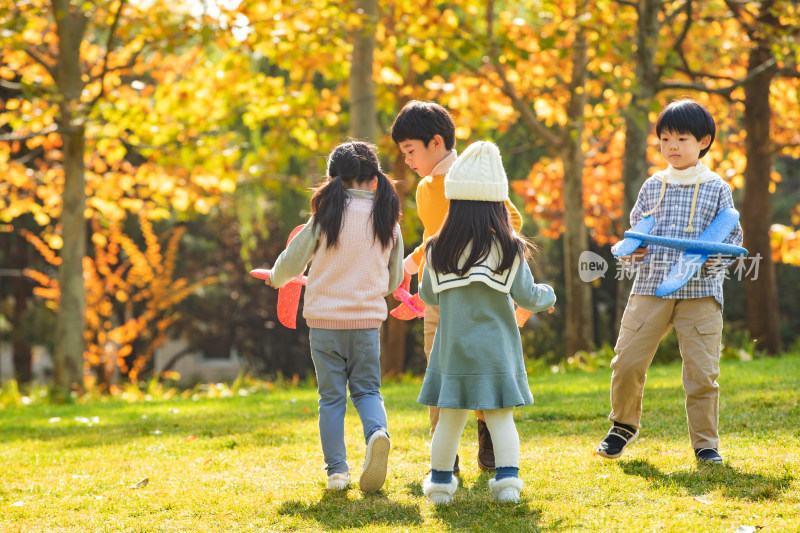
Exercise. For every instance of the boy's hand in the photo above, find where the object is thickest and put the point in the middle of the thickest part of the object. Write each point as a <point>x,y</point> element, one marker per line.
<point>268,280</point>
<point>410,266</point>
<point>637,255</point>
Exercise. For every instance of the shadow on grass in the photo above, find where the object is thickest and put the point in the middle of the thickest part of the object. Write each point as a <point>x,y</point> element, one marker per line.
<point>335,511</point>
<point>733,482</point>
<point>473,509</point>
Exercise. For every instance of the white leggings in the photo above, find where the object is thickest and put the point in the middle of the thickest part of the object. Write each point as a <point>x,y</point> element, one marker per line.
<point>444,445</point>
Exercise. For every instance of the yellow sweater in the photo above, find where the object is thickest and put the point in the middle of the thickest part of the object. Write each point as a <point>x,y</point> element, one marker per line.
<point>432,206</point>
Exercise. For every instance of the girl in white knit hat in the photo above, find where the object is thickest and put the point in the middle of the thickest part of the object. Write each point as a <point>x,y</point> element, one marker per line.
<point>475,269</point>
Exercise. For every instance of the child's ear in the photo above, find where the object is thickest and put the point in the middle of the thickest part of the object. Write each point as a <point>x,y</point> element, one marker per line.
<point>437,143</point>
<point>705,141</point>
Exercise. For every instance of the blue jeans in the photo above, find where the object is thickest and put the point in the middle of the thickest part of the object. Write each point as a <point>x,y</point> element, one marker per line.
<point>342,358</point>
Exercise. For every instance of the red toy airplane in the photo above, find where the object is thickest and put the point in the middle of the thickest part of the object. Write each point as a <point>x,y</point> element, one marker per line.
<point>289,294</point>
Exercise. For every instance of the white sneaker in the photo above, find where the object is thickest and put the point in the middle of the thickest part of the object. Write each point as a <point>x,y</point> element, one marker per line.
<point>375,462</point>
<point>507,489</point>
<point>339,481</point>
<point>439,493</point>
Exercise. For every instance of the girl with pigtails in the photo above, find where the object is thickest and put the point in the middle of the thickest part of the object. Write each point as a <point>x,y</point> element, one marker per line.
<point>357,249</point>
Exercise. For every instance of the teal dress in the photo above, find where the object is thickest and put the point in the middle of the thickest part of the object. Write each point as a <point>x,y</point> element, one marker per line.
<point>476,361</point>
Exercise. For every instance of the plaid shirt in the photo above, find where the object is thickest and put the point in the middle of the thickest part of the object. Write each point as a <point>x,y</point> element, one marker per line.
<point>672,218</point>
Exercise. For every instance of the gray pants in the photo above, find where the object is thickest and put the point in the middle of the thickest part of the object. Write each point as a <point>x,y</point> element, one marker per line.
<point>346,358</point>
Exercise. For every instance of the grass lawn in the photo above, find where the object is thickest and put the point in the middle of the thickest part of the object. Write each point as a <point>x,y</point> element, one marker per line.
<point>252,462</point>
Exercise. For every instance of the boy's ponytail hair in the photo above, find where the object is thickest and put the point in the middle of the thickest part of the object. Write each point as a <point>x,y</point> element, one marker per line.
<point>350,163</point>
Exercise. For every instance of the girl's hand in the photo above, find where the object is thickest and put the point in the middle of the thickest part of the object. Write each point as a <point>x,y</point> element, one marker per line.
<point>268,281</point>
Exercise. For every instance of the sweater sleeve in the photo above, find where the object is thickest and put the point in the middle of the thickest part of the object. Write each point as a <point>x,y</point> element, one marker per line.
<point>396,261</point>
<point>532,296</point>
<point>426,288</point>
<point>293,260</point>
<point>516,218</point>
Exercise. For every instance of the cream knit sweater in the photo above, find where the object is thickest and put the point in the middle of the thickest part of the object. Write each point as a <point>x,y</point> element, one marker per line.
<point>347,283</point>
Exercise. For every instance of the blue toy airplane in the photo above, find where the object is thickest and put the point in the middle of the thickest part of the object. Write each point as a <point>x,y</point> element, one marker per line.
<point>695,251</point>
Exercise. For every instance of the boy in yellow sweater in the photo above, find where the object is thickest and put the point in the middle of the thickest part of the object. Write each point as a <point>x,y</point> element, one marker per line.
<point>425,134</point>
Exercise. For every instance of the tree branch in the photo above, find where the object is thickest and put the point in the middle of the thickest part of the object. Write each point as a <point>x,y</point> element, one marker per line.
<point>14,138</point>
<point>627,3</point>
<point>39,59</point>
<point>724,91</point>
<point>788,72</point>
<point>523,108</point>
<point>107,53</point>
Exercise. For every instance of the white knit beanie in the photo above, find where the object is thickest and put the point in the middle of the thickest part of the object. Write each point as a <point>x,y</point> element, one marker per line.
<point>477,174</point>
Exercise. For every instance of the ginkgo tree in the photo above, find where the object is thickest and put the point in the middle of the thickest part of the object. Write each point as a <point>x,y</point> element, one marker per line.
<point>85,76</point>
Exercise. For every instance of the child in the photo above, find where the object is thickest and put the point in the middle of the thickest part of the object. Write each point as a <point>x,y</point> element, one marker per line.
<point>425,134</point>
<point>683,199</point>
<point>355,241</point>
<point>475,265</point>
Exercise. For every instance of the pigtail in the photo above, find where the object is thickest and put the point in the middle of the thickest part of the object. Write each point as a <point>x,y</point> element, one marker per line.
<point>354,162</point>
<point>327,204</point>
<point>385,211</point>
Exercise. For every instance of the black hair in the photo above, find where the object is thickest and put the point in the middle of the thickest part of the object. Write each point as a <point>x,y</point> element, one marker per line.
<point>422,121</point>
<point>348,163</point>
<point>687,116</point>
<point>482,224</point>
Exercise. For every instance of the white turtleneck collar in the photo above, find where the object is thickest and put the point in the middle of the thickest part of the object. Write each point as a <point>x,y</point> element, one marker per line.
<point>687,176</point>
<point>443,166</point>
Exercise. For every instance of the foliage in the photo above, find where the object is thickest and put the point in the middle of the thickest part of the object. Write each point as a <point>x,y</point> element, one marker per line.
<point>131,296</point>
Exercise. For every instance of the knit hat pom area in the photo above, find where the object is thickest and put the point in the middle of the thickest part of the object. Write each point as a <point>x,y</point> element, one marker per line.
<point>477,174</point>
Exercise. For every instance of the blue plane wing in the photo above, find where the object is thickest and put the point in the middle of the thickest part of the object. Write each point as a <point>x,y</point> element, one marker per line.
<point>698,250</point>
<point>629,244</point>
<point>687,266</point>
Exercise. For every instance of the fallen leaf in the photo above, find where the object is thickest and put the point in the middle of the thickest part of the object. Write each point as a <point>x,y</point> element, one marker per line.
<point>703,500</point>
<point>17,504</point>
<point>745,529</point>
<point>190,437</point>
<point>143,482</point>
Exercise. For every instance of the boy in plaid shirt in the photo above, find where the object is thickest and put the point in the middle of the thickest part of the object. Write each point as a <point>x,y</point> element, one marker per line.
<point>683,199</point>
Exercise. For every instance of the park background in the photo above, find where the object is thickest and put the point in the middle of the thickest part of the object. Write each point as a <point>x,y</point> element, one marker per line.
<point>153,152</point>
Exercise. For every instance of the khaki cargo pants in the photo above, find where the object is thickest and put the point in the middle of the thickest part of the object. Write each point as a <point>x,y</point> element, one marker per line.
<point>698,324</point>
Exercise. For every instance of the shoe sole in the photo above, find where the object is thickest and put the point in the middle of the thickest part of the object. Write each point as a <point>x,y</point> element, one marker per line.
<point>375,464</point>
<point>602,453</point>
<point>484,467</point>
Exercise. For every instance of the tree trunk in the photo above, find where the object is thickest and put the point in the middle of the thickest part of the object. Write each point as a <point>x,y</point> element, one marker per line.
<point>637,126</point>
<point>69,342</point>
<point>362,87</point>
<point>21,349</point>
<point>762,298</point>
<point>580,315</point>
<point>393,354</point>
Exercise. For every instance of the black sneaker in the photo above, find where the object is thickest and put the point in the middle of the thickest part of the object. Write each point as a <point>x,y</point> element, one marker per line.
<point>617,438</point>
<point>708,455</point>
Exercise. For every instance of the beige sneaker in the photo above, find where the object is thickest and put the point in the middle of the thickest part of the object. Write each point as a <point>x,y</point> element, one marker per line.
<point>376,462</point>
<point>339,481</point>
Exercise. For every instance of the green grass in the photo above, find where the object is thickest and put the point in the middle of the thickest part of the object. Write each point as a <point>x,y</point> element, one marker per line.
<point>253,463</point>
